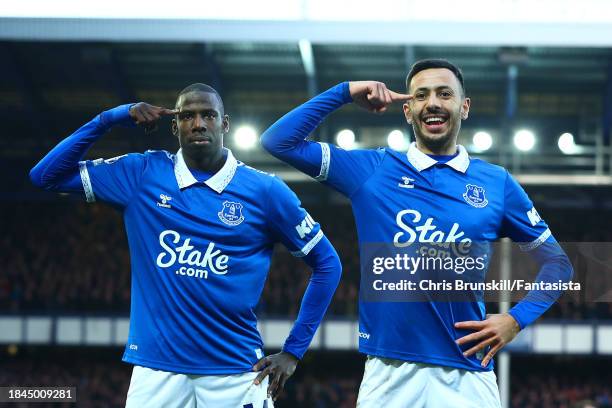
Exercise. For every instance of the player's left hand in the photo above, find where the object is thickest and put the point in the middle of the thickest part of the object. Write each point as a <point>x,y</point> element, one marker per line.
<point>495,331</point>
<point>279,367</point>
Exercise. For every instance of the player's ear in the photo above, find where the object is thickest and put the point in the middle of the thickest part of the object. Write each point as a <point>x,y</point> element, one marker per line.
<point>174,127</point>
<point>407,112</point>
<point>226,123</point>
<point>465,108</point>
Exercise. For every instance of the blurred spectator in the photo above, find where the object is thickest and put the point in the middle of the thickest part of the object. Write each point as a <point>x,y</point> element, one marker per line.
<point>100,381</point>
<point>561,387</point>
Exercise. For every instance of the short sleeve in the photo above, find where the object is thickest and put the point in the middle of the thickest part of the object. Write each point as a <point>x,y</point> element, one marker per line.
<point>347,170</point>
<point>290,223</point>
<point>521,221</point>
<point>112,180</point>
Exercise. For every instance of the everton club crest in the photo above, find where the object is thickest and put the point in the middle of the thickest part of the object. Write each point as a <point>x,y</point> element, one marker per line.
<point>231,213</point>
<point>475,196</point>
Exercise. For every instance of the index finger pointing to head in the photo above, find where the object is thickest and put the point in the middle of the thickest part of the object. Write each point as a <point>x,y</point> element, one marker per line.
<point>166,111</point>
<point>397,97</point>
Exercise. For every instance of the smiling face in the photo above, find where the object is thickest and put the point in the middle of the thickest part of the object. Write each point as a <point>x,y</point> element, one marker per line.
<point>200,124</point>
<point>436,110</point>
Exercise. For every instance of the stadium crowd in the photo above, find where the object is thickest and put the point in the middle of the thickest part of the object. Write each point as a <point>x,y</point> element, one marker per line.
<point>568,392</point>
<point>561,382</point>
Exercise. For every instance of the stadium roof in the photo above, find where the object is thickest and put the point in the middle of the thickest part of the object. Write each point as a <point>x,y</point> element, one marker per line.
<point>49,88</point>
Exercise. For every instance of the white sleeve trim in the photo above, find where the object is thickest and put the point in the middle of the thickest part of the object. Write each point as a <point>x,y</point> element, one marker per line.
<point>537,242</point>
<point>325,159</point>
<point>308,247</point>
<point>89,194</point>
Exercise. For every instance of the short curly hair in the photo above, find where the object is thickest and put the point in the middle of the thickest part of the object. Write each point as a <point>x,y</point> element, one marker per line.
<point>434,63</point>
<point>200,87</point>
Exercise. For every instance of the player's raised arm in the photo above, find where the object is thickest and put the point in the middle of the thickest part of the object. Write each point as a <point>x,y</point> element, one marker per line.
<point>304,237</point>
<point>59,169</point>
<point>343,170</point>
<point>285,138</point>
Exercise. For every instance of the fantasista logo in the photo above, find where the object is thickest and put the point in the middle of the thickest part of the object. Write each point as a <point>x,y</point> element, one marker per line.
<point>193,262</point>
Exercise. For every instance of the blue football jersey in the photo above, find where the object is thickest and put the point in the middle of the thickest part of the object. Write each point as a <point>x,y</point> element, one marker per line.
<point>200,254</point>
<point>409,199</point>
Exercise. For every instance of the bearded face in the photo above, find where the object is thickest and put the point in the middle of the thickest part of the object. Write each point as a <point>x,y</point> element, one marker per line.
<point>437,109</point>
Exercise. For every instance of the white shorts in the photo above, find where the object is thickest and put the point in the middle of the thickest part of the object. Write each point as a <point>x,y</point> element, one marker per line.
<point>156,388</point>
<point>397,384</point>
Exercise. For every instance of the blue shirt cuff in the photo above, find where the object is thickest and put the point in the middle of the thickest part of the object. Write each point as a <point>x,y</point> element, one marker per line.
<point>516,317</point>
<point>346,93</point>
<point>294,353</point>
<point>117,116</point>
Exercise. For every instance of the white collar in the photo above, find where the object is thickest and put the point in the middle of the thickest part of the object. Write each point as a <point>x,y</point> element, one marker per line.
<point>421,161</point>
<point>217,181</point>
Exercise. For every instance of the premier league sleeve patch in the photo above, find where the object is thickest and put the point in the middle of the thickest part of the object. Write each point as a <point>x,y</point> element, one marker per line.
<point>231,213</point>
<point>475,196</point>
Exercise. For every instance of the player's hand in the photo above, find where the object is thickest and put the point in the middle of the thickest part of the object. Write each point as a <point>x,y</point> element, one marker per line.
<point>495,331</point>
<point>279,367</point>
<point>374,96</point>
<point>147,116</point>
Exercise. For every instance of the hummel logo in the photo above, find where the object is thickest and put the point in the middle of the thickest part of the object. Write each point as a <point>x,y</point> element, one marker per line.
<point>164,201</point>
<point>407,182</point>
